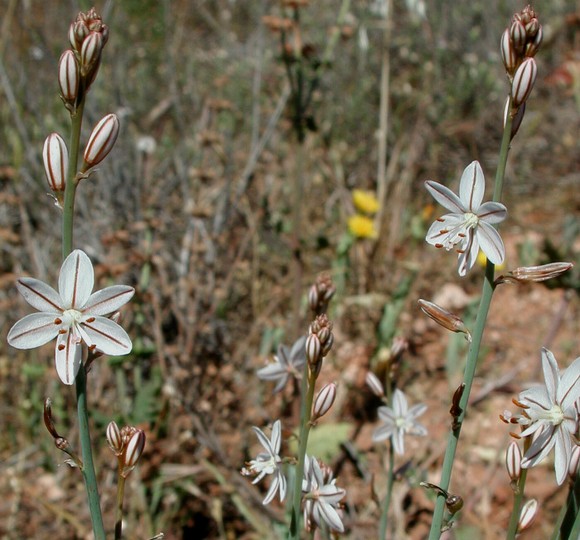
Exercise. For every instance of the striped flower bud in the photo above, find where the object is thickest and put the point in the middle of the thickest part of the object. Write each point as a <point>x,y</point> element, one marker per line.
<point>527,514</point>
<point>523,82</point>
<point>133,451</point>
<point>313,349</point>
<point>374,384</point>
<point>324,401</point>
<point>513,461</point>
<point>533,45</point>
<point>68,76</point>
<point>543,272</point>
<point>102,139</point>
<point>444,318</point>
<point>91,52</point>
<point>55,157</point>
<point>114,438</point>
<point>532,28</point>
<point>574,463</point>
<point>77,33</point>
<point>508,52</point>
<point>517,33</point>
<point>327,345</point>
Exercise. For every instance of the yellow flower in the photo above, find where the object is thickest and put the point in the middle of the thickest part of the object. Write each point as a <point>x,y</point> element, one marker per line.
<point>361,227</point>
<point>482,261</point>
<point>365,201</point>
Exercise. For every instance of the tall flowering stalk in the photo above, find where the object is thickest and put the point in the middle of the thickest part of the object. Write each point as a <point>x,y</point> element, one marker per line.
<point>519,44</point>
<point>75,315</point>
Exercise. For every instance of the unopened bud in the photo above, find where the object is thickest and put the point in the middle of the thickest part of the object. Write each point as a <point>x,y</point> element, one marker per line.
<point>540,273</point>
<point>508,52</point>
<point>524,80</point>
<point>374,384</point>
<point>114,438</point>
<point>102,139</point>
<point>48,421</point>
<point>68,76</point>
<point>324,401</point>
<point>91,52</point>
<point>327,345</point>
<point>133,451</point>
<point>324,334</point>
<point>55,158</point>
<point>78,32</point>
<point>313,349</point>
<point>444,318</point>
<point>574,462</point>
<point>532,28</point>
<point>517,34</point>
<point>513,461</point>
<point>527,514</point>
<point>533,45</point>
<point>313,298</point>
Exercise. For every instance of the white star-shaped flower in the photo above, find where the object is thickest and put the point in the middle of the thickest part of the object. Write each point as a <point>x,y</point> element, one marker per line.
<point>269,462</point>
<point>468,227</point>
<point>72,315</point>
<point>321,496</point>
<point>399,421</point>
<point>552,410</point>
<point>287,362</point>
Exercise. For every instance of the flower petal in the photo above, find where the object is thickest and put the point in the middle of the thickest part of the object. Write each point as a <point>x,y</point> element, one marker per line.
<point>444,230</point>
<point>68,357</point>
<point>264,441</point>
<point>276,436</point>
<point>569,388</point>
<point>271,491</point>
<point>39,295</point>
<point>33,331</point>
<point>399,441</point>
<point>400,406</point>
<point>562,451</point>
<point>76,280</point>
<point>106,335</point>
<point>445,197</point>
<point>330,516</point>
<point>416,410</point>
<point>540,448</point>
<point>108,300</point>
<point>468,254</point>
<point>492,212</point>
<point>551,373</point>
<point>383,432</point>
<point>537,397</point>
<point>490,242</point>
<point>472,186</point>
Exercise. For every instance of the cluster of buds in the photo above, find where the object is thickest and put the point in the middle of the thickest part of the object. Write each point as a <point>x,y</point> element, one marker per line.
<point>320,294</point>
<point>319,342</point>
<point>519,44</point>
<point>127,444</point>
<point>77,69</point>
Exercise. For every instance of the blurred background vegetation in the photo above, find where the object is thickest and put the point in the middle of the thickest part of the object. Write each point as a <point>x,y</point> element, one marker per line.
<point>193,208</point>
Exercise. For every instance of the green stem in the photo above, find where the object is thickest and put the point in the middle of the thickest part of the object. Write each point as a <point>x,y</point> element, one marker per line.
<point>71,184</point>
<point>119,513</point>
<point>517,508</point>
<point>473,353</point>
<point>87,453</point>
<point>308,384</point>
<point>569,528</point>
<point>387,500</point>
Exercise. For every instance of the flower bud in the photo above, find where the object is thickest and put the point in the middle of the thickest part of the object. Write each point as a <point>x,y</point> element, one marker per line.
<point>532,28</point>
<point>508,52</point>
<point>78,31</point>
<point>324,334</point>
<point>313,298</point>
<point>513,461</point>
<point>374,384</point>
<point>55,157</point>
<point>133,451</point>
<point>533,45</point>
<point>327,345</point>
<point>524,80</point>
<point>114,438</point>
<point>324,401</point>
<point>313,349</point>
<point>68,76</point>
<point>574,462</point>
<point>444,318</point>
<point>517,33</point>
<point>543,272</point>
<point>102,139</point>
<point>527,514</point>
<point>91,52</point>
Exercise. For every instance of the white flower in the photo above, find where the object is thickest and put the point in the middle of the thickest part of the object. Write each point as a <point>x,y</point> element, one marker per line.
<point>71,315</point>
<point>398,421</point>
<point>551,409</point>
<point>286,362</point>
<point>321,496</point>
<point>469,225</point>
<point>269,462</point>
